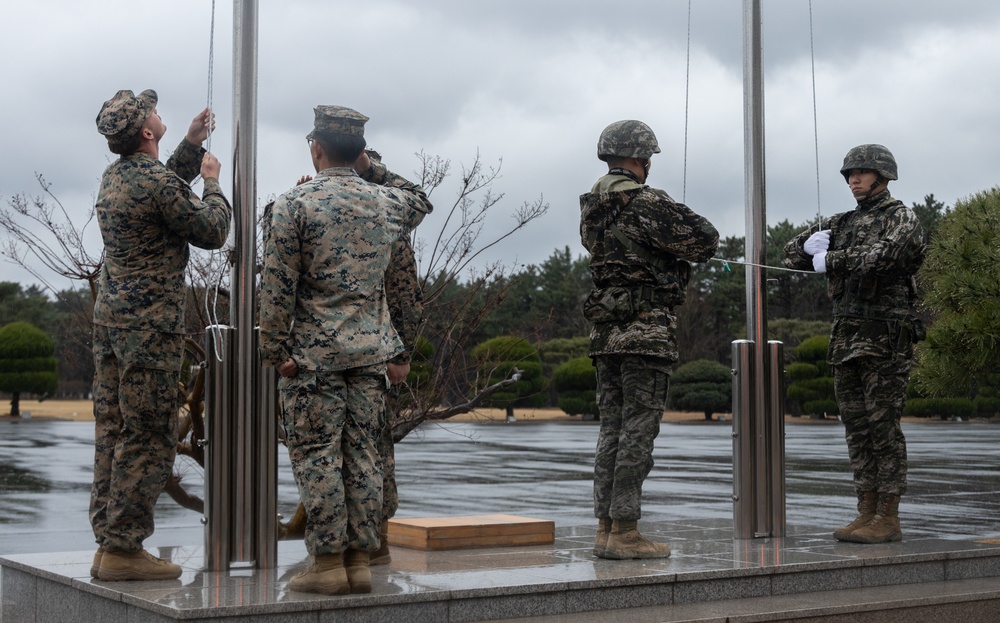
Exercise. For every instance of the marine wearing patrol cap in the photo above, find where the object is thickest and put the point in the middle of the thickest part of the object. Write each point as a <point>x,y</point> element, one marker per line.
<point>122,116</point>
<point>338,120</point>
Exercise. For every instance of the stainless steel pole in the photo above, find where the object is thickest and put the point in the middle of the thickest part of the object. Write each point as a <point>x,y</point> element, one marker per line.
<point>218,440</point>
<point>242,307</point>
<point>266,473</point>
<point>241,475</point>
<point>743,459</point>
<point>255,468</point>
<point>776,436</point>
<point>756,236</point>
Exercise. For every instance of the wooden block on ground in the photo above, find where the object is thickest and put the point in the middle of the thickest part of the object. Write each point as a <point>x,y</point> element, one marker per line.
<point>437,533</point>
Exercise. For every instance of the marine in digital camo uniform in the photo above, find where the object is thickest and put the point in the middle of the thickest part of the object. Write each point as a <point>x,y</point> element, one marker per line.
<point>325,326</point>
<point>640,242</point>
<point>148,215</point>
<point>870,256</point>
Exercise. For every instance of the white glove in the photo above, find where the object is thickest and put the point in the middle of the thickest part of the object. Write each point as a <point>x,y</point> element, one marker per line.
<point>817,243</point>
<point>819,262</point>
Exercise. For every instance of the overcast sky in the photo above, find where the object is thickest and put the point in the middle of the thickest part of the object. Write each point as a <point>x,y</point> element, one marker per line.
<point>531,82</point>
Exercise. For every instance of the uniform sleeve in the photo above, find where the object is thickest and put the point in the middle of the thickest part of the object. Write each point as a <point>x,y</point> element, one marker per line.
<point>403,295</point>
<point>655,220</point>
<point>411,198</point>
<point>795,256</point>
<point>203,223</point>
<point>899,247</point>
<point>279,283</point>
<point>186,161</point>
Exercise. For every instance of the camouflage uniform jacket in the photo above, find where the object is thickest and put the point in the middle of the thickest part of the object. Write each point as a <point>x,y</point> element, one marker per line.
<point>404,297</point>
<point>322,299</point>
<point>148,215</point>
<point>669,232</point>
<point>875,251</point>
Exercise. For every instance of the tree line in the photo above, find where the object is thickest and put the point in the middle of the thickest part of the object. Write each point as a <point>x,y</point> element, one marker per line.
<point>464,307</point>
<point>538,303</point>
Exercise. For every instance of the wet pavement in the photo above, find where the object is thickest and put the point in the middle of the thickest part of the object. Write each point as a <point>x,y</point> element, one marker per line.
<point>537,469</point>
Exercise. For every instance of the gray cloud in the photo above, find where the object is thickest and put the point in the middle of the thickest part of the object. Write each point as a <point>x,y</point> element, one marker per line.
<point>532,82</point>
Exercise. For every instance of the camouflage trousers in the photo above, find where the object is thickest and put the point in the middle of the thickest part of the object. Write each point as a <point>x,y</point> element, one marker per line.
<point>387,459</point>
<point>332,423</point>
<point>871,392</point>
<point>631,397</point>
<point>136,400</point>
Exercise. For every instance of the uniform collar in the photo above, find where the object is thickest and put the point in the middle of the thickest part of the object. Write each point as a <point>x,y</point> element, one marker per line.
<point>874,201</point>
<point>627,173</point>
<point>338,172</point>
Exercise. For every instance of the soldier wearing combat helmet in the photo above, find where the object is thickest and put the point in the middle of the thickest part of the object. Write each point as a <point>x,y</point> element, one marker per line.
<point>870,256</point>
<point>640,242</point>
<point>148,216</point>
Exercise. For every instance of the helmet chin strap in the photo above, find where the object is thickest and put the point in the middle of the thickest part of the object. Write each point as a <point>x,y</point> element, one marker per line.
<point>645,170</point>
<point>879,180</point>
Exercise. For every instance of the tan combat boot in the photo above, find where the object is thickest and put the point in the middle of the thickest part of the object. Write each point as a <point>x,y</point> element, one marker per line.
<point>867,503</point>
<point>116,566</point>
<point>382,556</point>
<point>326,575</point>
<point>601,540</point>
<point>884,527</point>
<point>625,543</point>
<point>95,567</point>
<point>358,574</point>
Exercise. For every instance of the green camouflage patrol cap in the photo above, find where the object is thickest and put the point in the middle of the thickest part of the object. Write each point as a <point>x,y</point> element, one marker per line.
<point>123,115</point>
<point>627,139</point>
<point>872,157</point>
<point>338,120</point>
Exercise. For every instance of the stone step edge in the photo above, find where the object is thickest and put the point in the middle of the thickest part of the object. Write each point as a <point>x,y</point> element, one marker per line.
<point>807,605</point>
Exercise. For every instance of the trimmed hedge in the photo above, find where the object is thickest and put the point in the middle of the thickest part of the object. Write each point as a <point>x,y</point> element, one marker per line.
<point>576,382</point>
<point>702,385</point>
<point>944,408</point>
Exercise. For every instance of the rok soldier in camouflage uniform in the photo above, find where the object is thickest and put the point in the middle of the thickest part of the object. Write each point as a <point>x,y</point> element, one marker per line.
<point>148,216</point>
<point>640,242</point>
<point>324,324</point>
<point>870,256</point>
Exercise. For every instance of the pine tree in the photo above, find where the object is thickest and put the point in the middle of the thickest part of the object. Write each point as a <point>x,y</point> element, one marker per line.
<point>960,279</point>
<point>26,362</point>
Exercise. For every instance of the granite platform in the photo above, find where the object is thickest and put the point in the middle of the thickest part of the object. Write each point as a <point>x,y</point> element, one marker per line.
<point>806,576</point>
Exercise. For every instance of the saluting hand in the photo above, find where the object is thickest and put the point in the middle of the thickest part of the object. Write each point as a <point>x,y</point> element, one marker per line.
<point>363,163</point>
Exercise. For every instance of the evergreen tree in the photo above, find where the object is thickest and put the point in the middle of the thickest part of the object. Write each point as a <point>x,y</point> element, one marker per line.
<point>702,385</point>
<point>576,382</point>
<point>26,363</point>
<point>930,213</point>
<point>793,294</point>
<point>29,304</point>
<point>496,360</point>
<point>556,352</point>
<point>960,281</point>
<point>811,390</point>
